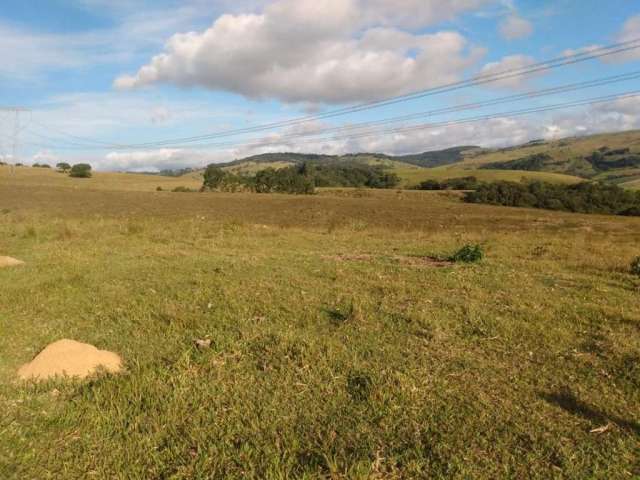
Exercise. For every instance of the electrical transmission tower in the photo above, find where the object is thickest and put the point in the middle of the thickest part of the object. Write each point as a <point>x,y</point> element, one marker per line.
<point>15,118</point>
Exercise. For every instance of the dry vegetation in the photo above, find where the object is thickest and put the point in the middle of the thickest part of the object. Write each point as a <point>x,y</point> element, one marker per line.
<point>338,349</point>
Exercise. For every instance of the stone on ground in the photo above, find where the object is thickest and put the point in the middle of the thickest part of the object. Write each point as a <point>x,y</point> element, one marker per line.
<point>71,359</point>
<point>9,262</point>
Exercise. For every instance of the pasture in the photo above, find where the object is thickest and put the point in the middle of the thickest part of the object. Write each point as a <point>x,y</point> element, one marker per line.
<point>340,346</point>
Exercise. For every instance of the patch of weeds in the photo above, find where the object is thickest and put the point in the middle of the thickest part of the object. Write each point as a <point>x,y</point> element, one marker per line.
<point>595,343</point>
<point>134,228</point>
<point>359,385</point>
<point>468,254</point>
<point>182,189</point>
<point>232,226</point>
<point>424,330</point>
<point>272,352</point>
<point>627,369</point>
<point>540,251</point>
<point>65,232</point>
<point>476,326</point>
<point>5,211</point>
<point>349,311</point>
<point>635,266</point>
<point>30,232</point>
<point>358,225</point>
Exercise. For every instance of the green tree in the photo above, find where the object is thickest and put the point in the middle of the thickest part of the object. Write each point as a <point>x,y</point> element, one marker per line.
<point>213,177</point>
<point>63,167</point>
<point>80,170</point>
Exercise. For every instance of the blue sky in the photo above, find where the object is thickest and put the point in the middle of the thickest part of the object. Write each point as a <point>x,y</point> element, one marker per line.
<point>103,77</point>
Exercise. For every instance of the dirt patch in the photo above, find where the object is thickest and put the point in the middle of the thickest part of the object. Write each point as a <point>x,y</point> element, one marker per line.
<point>423,261</point>
<point>363,257</point>
<point>69,358</point>
<point>10,262</point>
<point>431,262</point>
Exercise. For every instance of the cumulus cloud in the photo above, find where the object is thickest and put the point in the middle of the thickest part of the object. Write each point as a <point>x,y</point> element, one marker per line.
<point>335,51</point>
<point>515,27</point>
<point>630,31</point>
<point>507,64</point>
<point>153,160</point>
<point>496,132</point>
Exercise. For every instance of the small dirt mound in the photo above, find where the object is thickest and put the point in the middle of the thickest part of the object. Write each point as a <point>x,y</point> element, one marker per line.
<point>71,359</point>
<point>10,262</point>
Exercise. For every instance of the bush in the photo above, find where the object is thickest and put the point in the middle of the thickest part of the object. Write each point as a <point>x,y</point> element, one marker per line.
<point>184,190</point>
<point>635,266</point>
<point>461,183</point>
<point>583,197</point>
<point>468,254</point>
<point>81,170</point>
<point>300,179</point>
<point>158,189</point>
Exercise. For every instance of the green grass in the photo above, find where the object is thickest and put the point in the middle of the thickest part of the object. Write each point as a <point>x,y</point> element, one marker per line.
<point>562,150</point>
<point>337,352</point>
<point>413,176</point>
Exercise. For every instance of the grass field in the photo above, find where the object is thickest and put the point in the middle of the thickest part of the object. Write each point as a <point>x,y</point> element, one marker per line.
<point>413,176</point>
<point>339,350</point>
<point>44,178</point>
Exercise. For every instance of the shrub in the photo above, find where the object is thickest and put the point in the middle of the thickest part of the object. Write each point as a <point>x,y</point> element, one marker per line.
<point>81,170</point>
<point>635,266</point>
<point>461,183</point>
<point>183,189</point>
<point>468,254</point>
<point>359,385</point>
<point>582,197</point>
<point>158,189</point>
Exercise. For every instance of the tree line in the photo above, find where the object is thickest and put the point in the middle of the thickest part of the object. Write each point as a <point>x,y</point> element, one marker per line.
<point>299,179</point>
<point>585,197</point>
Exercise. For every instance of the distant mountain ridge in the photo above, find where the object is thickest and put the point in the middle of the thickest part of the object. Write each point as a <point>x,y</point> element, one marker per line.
<point>429,159</point>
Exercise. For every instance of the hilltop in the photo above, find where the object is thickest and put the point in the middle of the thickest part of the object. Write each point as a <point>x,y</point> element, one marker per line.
<point>612,158</point>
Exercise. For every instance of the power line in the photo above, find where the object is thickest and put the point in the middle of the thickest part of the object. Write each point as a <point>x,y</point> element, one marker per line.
<point>468,120</point>
<point>369,125</point>
<point>475,81</point>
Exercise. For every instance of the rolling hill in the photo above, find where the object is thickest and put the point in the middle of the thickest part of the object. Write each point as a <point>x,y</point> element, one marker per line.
<point>612,158</point>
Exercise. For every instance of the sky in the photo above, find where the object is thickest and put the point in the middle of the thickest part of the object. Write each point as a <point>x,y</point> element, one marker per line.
<point>126,85</point>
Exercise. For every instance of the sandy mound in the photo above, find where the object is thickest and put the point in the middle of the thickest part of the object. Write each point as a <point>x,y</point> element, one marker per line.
<point>9,262</point>
<point>69,358</point>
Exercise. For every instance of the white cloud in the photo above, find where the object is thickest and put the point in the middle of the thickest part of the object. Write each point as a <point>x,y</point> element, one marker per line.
<point>508,64</point>
<point>153,161</point>
<point>497,132</point>
<point>45,156</point>
<point>334,51</point>
<point>576,51</point>
<point>515,27</point>
<point>630,31</point>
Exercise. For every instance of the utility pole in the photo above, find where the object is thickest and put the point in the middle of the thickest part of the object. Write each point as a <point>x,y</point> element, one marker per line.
<point>18,127</point>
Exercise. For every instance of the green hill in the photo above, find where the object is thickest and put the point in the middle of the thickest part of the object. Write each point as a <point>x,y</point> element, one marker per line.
<point>611,158</point>
<point>280,160</point>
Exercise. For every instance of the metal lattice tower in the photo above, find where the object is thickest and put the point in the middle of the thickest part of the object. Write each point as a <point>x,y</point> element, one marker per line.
<point>15,114</point>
